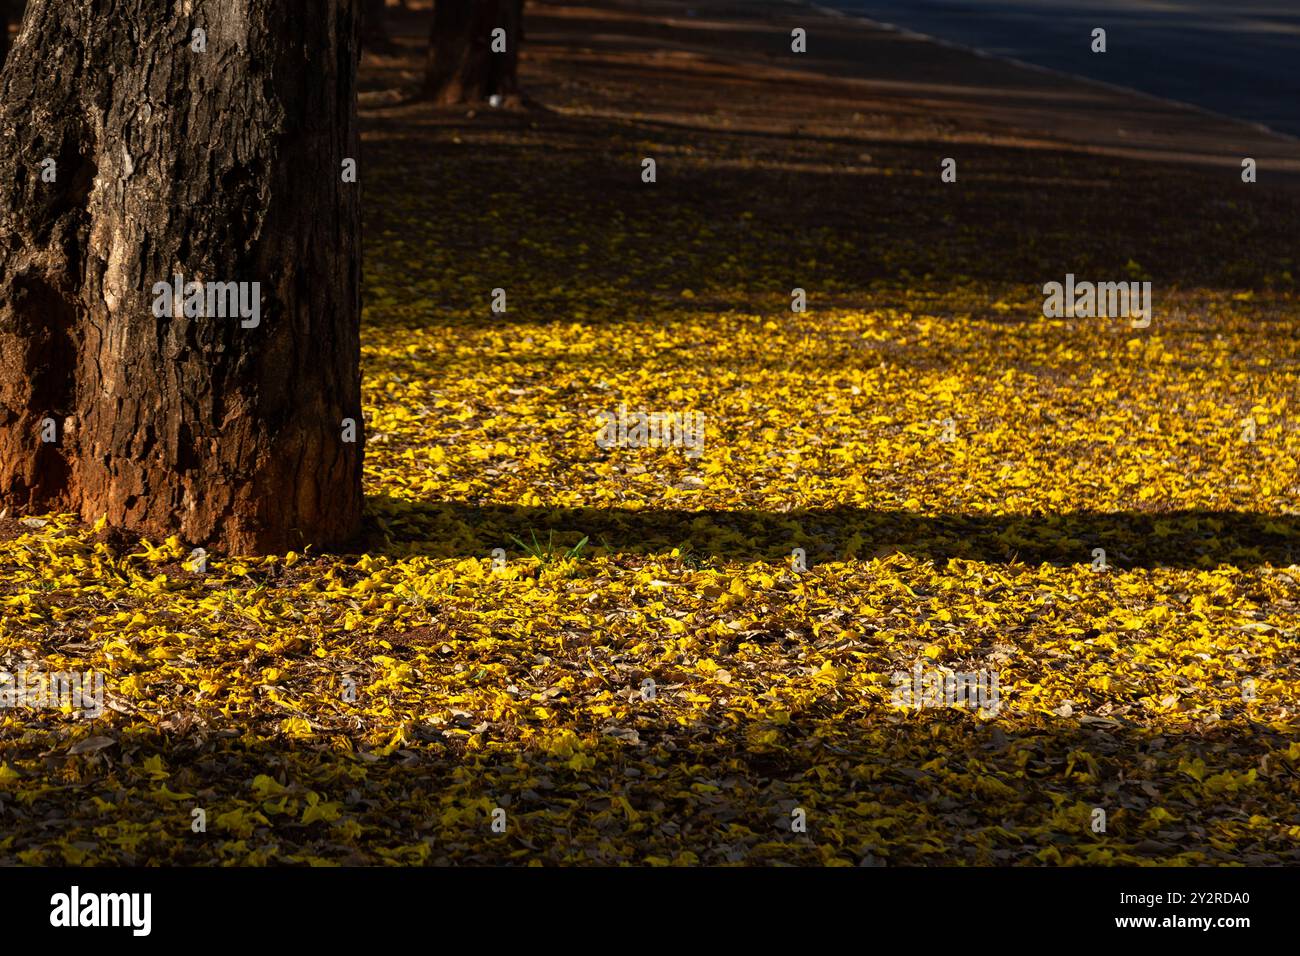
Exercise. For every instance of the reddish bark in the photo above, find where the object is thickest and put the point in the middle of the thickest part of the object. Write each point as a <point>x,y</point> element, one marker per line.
<point>222,166</point>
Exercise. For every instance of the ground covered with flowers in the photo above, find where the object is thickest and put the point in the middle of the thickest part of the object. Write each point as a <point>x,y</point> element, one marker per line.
<point>548,651</point>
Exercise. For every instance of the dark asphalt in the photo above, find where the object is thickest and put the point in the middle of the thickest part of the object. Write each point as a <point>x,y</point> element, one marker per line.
<point>1241,59</point>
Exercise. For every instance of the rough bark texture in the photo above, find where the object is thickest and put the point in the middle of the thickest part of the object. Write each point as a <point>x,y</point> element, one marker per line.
<point>220,166</point>
<point>461,67</point>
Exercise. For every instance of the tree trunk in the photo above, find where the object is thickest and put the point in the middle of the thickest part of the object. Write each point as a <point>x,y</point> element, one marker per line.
<point>374,27</point>
<point>11,12</point>
<point>462,66</point>
<point>4,30</point>
<point>128,156</point>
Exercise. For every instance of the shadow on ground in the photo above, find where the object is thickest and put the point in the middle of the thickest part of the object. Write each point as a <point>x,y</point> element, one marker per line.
<point>934,787</point>
<point>1131,539</point>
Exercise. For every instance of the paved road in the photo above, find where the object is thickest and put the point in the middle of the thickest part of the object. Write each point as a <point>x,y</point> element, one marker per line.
<point>1240,58</point>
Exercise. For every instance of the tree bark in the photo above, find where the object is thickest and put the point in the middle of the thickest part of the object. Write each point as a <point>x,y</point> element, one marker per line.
<point>11,12</point>
<point>462,67</point>
<point>222,166</point>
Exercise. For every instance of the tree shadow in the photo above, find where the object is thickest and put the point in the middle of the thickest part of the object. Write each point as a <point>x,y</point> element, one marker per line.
<point>833,782</point>
<point>1130,539</point>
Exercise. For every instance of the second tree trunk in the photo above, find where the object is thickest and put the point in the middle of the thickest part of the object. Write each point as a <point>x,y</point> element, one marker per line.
<point>474,50</point>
